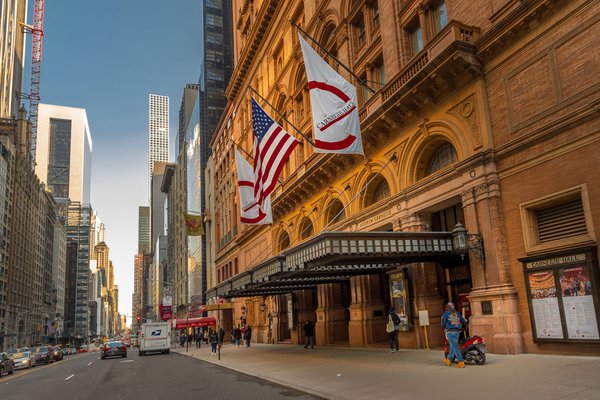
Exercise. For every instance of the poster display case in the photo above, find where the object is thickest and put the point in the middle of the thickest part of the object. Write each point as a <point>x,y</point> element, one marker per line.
<point>399,298</point>
<point>562,290</point>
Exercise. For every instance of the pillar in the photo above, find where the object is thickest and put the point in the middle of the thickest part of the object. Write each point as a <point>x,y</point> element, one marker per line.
<point>331,323</point>
<point>493,292</point>
<point>368,315</point>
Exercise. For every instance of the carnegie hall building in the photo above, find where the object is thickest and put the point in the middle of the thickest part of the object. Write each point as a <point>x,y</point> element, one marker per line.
<point>480,182</point>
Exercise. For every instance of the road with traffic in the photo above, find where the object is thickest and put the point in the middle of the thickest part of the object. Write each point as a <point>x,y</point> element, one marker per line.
<point>160,377</point>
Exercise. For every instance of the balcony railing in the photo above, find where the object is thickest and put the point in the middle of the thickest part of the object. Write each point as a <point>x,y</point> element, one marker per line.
<point>453,32</point>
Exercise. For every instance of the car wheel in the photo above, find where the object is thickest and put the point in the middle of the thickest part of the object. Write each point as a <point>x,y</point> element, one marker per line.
<point>12,371</point>
<point>167,352</point>
<point>102,357</point>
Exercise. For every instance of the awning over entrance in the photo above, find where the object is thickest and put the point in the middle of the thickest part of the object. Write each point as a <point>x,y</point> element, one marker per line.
<point>335,257</point>
<point>194,322</point>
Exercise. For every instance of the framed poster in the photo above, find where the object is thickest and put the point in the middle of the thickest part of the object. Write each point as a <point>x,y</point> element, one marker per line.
<point>545,305</point>
<point>290,311</point>
<point>578,303</point>
<point>563,295</point>
<point>399,298</point>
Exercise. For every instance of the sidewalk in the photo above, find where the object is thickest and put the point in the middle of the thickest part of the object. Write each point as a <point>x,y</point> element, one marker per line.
<point>368,373</point>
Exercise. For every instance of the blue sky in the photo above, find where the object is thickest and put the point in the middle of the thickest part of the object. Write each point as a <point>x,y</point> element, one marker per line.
<point>107,57</point>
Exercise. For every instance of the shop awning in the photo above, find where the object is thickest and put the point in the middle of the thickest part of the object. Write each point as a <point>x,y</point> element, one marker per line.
<point>334,257</point>
<point>194,322</point>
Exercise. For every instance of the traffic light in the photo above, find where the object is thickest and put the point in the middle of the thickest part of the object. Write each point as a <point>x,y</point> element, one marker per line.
<point>139,319</point>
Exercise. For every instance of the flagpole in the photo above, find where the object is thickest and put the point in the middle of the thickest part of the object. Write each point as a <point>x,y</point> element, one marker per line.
<point>360,80</point>
<point>282,116</point>
<point>241,149</point>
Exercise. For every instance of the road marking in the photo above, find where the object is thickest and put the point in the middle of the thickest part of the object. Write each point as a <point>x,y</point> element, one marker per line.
<point>127,361</point>
<point>89,363</point>
<point>69,377</point>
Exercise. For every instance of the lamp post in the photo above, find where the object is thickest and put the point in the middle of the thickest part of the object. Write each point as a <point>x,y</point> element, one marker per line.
<point>462,242</point>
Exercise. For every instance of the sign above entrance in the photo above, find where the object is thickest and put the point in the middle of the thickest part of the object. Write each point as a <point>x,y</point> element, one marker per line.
<point>376,218</point>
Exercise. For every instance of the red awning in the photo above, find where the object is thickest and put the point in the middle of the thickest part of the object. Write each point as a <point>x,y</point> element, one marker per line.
<point>195,322</point>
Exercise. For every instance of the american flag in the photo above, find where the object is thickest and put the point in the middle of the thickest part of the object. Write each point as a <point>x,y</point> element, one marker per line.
<point>272,148</point>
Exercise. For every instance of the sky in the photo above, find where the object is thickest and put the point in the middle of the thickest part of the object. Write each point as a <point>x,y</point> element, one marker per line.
<point>107,57</point>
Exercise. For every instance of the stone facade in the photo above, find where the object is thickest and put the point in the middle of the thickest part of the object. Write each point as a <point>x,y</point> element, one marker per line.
<point>483,118</point>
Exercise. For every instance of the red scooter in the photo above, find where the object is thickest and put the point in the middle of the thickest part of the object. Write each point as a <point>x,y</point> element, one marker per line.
<point>471,348</point>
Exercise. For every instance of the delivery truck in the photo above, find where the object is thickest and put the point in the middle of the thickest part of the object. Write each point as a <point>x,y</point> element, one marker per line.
<point>154,337</point>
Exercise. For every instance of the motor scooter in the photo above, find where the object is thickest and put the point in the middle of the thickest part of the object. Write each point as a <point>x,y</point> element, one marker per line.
<point>471,348</point>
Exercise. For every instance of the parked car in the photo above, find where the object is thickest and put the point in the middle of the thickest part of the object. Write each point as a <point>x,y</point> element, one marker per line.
<point>83,348</point>
<point>57,353</point>
<point>113,349</point>
<point>6,364</point>
<point>24,359</point>
<point>45,354</point>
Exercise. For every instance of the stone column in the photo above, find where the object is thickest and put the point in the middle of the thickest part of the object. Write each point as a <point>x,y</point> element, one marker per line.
<point>492,284</point>
<point>305,302</point>
<point>364,326</point>
<point>331,323</point>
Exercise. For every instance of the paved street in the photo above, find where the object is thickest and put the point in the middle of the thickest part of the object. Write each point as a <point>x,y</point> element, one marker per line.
<point>373,373</point>
<point>159,377</point>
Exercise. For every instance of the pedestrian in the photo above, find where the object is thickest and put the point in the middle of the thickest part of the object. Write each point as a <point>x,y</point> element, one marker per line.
<point>198,337</point>
<point>221,336</point>
<point>182,340</point>
<point>247,335</point>
<point>237,336</point>
<point>205,336</point>
<point>214,341</point>
<point>392,328</point>
<point>452,323</point>
<point>309,334</point>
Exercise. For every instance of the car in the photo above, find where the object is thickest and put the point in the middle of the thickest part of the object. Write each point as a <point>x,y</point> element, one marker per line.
<point>57,353</point>
<point>83,348</point>
<point>113,349</point>
<point>7,364</point>
<point>45,354</point>
<point>24,359</point>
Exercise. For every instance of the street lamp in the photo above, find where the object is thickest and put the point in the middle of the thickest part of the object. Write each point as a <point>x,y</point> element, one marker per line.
<point>462,242</point>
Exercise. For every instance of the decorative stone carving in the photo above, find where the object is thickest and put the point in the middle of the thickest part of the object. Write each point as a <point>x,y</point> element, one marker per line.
<point>467,112</point>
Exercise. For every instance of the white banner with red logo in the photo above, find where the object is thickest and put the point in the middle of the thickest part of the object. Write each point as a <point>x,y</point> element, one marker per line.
<point>250,211</point>
<point>336,127</point>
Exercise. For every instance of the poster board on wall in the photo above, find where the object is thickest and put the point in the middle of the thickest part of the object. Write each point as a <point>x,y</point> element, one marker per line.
<point>562,291</point>
<point>400,298</point>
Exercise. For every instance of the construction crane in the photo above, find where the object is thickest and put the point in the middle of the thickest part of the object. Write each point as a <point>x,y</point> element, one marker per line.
<point>37,35</point>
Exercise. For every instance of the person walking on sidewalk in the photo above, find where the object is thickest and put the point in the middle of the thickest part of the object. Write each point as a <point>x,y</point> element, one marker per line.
<point>237,336</point>
<point>394,320</point>
<point>452,323</point>
<point>247,335</point>
<point>309,333</point>
<point>198,339</point>
<point>213,338</point>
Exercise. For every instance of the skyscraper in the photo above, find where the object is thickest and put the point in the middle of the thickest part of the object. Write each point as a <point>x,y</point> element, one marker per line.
<point>144,229</point>
<point>12,55</point>
<point>64,152</point>
<point>158,128</point>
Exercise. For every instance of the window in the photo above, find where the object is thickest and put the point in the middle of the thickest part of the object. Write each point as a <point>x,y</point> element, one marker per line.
<point>306,229</point>
<point>379,72</point>
<point>361,33</point>
<point>442,157</point>
<point>336,212</point>
<point>556,221</point>
<point>416,39</point>
<point>381,192</point>
<point>375,14</point>
<point>440,16</point>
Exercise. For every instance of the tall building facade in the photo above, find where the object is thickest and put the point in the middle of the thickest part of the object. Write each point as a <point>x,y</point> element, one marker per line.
<point>215,72</point>
<point>144,229</point>
<point>473,111</point>
<point>64,152</point>
<point>7,160</point>
<point>12,56</point>
<point>158,131</point>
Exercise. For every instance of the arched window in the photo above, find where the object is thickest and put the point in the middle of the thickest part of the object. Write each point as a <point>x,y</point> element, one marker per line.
<point>328,42</point>
<point>306,229</point>
<point>284,241</point>
<point>443,156</point>
<point>300,94</point>
<point>336,212</point>
<point>378,190</point>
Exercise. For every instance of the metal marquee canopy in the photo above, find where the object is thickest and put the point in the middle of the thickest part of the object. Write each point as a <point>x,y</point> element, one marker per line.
<point>334,257</point>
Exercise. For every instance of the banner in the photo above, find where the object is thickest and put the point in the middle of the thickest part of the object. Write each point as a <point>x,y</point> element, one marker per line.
<point>336,127</point>
<point>166,312</point>
<point>194,224</point>
<point>250,211</point>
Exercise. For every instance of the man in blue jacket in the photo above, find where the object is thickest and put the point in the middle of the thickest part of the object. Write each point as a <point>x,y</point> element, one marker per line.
<point>453,322</point>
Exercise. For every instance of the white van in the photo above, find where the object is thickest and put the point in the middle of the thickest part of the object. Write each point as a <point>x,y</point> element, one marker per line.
<point>155,337</point>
